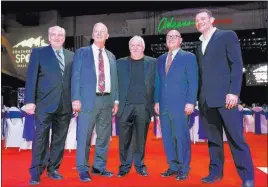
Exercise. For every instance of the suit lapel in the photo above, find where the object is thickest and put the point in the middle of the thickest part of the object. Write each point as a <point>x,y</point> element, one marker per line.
<point>164,63</point>
<point>66,59</point>
<point>91,58</point>
<point>175,59</point>
<point>55,61</point>
<point>211,41</point>
<point>146,69</point>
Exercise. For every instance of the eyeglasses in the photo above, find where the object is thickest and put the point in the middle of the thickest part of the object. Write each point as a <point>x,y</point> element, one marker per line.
<point>173,36</point>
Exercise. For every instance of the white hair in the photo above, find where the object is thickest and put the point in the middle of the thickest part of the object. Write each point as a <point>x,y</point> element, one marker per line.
<point>137,38</point>
<point>100,23</point>
<point>56,27</point>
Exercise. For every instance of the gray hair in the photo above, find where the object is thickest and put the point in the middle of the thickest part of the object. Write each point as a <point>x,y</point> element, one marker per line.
<point>138,38</point>
<point>100,23</point>
<point>56,27</point>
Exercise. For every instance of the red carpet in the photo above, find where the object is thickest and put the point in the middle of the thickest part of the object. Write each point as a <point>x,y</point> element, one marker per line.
<point>15,166</point>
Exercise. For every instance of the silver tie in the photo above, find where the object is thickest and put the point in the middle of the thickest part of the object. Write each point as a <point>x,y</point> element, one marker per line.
<point>61,62</point>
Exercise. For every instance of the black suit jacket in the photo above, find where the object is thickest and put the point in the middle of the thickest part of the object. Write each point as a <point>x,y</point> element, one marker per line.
<point>45,84</point>
<point>123,69</point>
<point>220,68</point>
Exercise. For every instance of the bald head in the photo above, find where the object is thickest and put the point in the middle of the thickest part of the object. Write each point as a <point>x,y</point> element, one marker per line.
<point>100,25</point>
<point>174,32</point>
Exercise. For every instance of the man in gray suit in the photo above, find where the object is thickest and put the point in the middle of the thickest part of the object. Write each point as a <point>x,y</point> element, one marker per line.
<point>95,97</point>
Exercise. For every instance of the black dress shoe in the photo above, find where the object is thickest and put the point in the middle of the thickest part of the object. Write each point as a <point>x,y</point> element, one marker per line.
<point>212,178</point>
<point>169,173</point>
<point>54,175</point>
<point>248,183</point>
<point>34,182</point>
<point>104,172</point>
<point>122,173</point>
<point>181,176</point>
<point>84,177</point>
<point>143,173</point>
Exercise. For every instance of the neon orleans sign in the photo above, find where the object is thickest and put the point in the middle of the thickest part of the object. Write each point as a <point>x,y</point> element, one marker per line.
<point>166,23</point>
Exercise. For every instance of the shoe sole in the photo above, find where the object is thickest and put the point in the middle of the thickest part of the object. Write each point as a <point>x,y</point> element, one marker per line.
<point>168,176</point>
<point>101,175</point>
<point>85,180</point>
<point>212,181</point>
<point>34,184</point>
<point>54,178</point>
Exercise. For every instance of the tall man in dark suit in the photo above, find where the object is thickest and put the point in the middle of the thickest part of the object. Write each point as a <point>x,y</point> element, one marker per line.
<point>220,67</point>
<point>136,78</point>
<point>95,97</point>
<point>48,95</point>
<point>175,97</point>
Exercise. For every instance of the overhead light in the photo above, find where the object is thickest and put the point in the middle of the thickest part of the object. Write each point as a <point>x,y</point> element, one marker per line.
<point>253,33</point>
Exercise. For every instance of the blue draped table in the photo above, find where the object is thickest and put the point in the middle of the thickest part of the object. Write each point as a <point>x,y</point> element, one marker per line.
<point>29,127</point>
<point>258,120</point>
<point>201,131</point>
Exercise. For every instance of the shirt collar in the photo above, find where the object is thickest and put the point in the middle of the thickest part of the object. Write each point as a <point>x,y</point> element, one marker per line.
<point>96,48</point>
<point>174,52</point>
<point>61,50</point>
<point>209,36</point>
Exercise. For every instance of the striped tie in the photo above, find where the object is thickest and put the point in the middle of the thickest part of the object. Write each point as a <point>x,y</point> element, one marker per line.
<point>101,85</point>
<point>61,62</point>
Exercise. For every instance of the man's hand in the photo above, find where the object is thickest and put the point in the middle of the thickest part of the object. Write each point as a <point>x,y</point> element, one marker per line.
<point>76,105</point>
<point>115,109</point>
<point>156,108</point>
<point>231,101</point>
<point>30,108</point>
<point>189,109</point>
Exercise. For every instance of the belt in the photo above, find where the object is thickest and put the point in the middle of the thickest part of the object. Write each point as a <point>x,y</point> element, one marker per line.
<point>102,94</point>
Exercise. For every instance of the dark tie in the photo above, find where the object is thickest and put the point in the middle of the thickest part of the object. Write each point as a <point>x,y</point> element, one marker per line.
<point>168,62</point>
<point>101,84</point>
<point>61,62</point>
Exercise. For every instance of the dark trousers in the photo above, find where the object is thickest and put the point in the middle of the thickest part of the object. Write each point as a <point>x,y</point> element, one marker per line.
<point>134,122</point>
<point>42,156</point>
<point>215,119</point>
<point>176,139</point>
<point>101,116</point>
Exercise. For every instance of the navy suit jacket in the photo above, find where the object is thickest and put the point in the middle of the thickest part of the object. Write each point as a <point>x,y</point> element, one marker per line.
<point>220,68</point>
<point>45,84</point>
<point>124,76</point>
<point>84,78</point>
<point>180,85</point>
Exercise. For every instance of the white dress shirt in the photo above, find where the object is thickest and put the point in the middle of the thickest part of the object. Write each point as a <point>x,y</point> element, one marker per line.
<point>205,41</point>
<point>174,52</point>
<point>96,52</point>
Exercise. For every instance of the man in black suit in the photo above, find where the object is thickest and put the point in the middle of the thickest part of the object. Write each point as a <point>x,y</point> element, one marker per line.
<point>48,96</point>
<point>136,76</point>
<point>220,67</point>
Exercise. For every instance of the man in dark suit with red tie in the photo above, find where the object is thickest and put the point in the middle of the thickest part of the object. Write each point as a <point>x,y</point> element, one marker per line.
<point>220,68</point>
<point>48,95</point>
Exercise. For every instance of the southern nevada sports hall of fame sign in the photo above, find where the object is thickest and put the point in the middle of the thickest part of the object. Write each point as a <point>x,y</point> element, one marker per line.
<point>22,50</point>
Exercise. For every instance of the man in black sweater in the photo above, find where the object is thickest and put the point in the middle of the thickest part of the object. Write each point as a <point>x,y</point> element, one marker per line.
<point>136,78</point>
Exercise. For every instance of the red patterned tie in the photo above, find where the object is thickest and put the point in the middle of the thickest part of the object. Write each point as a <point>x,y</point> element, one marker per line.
<point>101,85</point>
<point>168,62</point>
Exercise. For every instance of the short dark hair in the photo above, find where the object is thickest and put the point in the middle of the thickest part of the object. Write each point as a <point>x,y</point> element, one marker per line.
<point>205,10</point>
